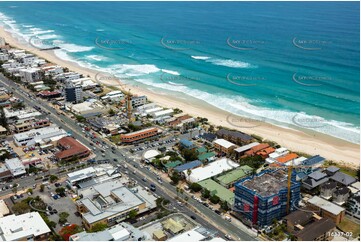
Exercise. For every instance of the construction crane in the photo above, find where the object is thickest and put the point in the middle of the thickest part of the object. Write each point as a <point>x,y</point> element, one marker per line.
<point>128,98</point>
<point>289,176</point>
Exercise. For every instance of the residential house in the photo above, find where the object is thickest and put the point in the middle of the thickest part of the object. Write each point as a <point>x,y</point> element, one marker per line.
<point>314,180</point>
<point>343,179</point>
<point>224,146</point>
<point>327,209</point>
<point>236,137</point>
<point>308,226</point>
<point>327,189</point>
<point>341,195</point>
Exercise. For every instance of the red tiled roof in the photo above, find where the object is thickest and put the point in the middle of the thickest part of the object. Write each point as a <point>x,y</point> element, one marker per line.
<point>266,151</point>
<point>256,148</point>
<point>287,157</point>
<point>72,147</point>
<point>179,120</point>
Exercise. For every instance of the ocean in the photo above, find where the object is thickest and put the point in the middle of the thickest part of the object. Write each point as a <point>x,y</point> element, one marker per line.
<point>293,64</point>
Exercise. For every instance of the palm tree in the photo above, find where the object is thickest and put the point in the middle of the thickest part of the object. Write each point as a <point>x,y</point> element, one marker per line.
<point>181,191</point>
<point>177,189</point>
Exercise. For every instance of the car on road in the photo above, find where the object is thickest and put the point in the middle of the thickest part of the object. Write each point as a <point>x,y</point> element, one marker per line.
<point>115,159</point>
<point>228,237</point>
<point>152,187</point>
<point>144,179</point>
<point>193,217</point>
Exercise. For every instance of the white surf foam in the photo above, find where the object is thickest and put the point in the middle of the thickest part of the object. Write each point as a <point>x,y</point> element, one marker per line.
<point>243,107</point>
<point>200,57</point>
<point>69,47</point>
<point>171,72</point>
<point>97,57</point>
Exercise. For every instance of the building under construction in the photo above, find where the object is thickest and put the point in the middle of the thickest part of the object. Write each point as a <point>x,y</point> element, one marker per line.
<point>262,198</point>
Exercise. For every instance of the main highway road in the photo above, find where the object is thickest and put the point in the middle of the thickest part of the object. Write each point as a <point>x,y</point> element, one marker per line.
<point>204,216</point>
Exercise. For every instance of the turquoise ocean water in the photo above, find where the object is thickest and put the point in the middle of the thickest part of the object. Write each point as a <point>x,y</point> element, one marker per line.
<point>294,64</point>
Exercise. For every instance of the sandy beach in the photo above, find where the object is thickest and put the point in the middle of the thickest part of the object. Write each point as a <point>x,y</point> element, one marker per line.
<point>311,143</point>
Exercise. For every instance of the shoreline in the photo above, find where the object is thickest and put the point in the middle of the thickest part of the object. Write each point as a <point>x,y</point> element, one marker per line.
<point>309,142</point>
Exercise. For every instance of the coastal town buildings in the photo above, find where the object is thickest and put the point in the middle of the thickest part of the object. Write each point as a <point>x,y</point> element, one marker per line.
<point>30,75</point>
<point>308,226</point>
<point>212,169</point>
<point>224,146</point>
<point>139,135</point>
<point>327,209</point>
<point>92,175</point>
<point>236,137</point>
<point>39,136</point>
<point>262,198</point>
<point>89,108</point>
<point>73,94</point>
<point>24,227</point>
<point>71,149</point>
<point>111,202</point>
<point>119,232</point>
<point>137,101</point>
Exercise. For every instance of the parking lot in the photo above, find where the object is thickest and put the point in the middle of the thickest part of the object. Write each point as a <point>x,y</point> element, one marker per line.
<point>57,203</point>
<point>151,145</point>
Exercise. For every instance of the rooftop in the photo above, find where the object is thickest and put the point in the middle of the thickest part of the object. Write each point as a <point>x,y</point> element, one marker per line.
<point>287,157</point>
<point>16,227</point>
<point>173,164</point>
<point>329,185</point>
<point>45,132</point>
<point>212,169</point>
<point>299,217</point>
<point>141,131</point>
<point>188,165</point>
<point>224,143</point>
<point>314,160</point>
<point>246,147</point>
<point>317,175</point>
<point>256,148</point>
<point>4,210</point>
<point>236,134</point>
<point>206,156</point>
<point>223,193</point>
<point>72,147</point>
<point>332,169</point>
<point>191,235</point>
<point>326,205</point>
<point>267,184</point>
<point>186,143</point>
<point>313,230</point>
<point>234,175</point>
<point>343,178</point>
<point>151,154</point>
<point>342,191</point>
<point>110,198</point>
